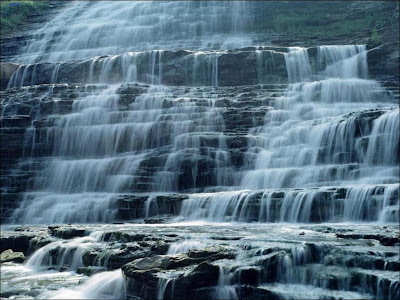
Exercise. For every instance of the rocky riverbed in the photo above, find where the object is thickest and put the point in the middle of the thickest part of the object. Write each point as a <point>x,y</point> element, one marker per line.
<point>203,260</point>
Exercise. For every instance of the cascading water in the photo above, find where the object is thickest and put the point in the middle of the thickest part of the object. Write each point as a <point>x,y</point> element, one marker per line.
<point>138,26</point>
<point>95,158</point>
<point>167,113</point>
<point>106,285</point>
<point>308,140</point>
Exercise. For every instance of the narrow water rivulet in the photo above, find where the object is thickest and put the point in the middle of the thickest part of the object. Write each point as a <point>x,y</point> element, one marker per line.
<point>170,150</point>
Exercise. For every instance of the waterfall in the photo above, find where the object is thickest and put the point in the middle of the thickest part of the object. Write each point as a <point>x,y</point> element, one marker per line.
<point>298,65</point>
<point>385,132</point>
<point>105,285</point>
<point>200,159</point>
<point>162,287</point>
<point>313,136</point>
<point>310,140</point>
<point>104,28</point>
<point>94,158</point>
<point>62,253</point>
<point>224,289</point>
<point>310,119</point>
<point>184,247</point>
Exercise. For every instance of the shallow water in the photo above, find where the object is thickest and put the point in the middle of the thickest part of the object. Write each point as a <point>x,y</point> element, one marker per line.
<point>248,241</point>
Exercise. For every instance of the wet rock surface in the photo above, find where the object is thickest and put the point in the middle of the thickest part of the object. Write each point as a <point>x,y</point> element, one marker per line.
<point>29,114</point>
<point>66,232</point>
<point>19,239</point>
<point>249,261</point>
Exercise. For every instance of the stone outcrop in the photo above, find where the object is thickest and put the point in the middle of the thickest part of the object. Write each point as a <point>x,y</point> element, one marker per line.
<point>7,70</point>
<point>144,274</point>
<point>11,256</point>
<point>179,68</point>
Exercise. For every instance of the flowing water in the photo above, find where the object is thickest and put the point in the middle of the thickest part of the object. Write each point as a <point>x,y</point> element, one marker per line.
<point>96,28</point>
<point>113,138</point>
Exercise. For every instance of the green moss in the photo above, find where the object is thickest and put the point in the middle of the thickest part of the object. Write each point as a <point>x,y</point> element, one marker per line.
<point>14,13</point>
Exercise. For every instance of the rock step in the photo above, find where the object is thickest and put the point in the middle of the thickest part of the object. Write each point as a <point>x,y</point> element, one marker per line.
<point>291,291</point>
<point>181,67</point>
<point>349,279</point>
<point>143,179</point>
<point>286,205</point>
<point>364,261</point>
<point>246,278</point>
<point>178,68</point>
<point>46,100</point>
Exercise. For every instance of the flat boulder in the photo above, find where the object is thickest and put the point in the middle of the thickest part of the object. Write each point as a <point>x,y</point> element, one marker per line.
<point>67,232</point>
<point>163,262</point>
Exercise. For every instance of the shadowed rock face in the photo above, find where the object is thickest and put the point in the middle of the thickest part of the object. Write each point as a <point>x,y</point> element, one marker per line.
<point>7,70</point>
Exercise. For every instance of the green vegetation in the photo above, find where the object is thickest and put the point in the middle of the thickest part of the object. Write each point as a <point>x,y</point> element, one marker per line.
<point>14,13</point>
<point>376,40</point>
<point>326,18</point>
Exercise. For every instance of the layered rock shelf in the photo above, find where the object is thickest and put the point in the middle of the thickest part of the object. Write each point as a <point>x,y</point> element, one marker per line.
<point>337,261</point>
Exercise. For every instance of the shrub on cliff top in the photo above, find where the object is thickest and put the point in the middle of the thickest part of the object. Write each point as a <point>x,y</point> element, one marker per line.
<point>14,13</point>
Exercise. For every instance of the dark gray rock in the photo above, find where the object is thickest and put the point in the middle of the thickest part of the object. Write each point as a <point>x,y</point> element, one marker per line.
<point>7,69</point>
